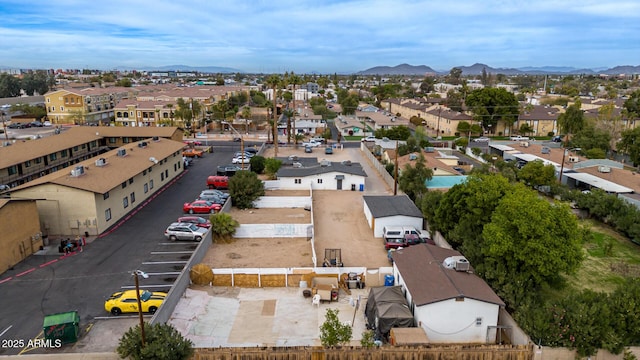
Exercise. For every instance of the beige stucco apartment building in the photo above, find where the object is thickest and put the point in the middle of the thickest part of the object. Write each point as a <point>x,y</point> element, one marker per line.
<point>94,194</point>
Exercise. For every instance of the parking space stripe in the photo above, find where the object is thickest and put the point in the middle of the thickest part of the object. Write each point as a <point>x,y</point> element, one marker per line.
<point>163,262</point>
<point>145,286</point>
<point>164,273</point>
<point>170,252</point>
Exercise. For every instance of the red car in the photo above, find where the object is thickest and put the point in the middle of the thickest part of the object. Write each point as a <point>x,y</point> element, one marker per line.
<point>197,220</point>
<point>201,207</point>
<point>218,182</point>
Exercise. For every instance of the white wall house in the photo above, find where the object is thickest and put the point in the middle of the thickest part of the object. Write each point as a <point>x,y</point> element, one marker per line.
<point>389,210</point>
<point>323,176</point>
<point>448,301</point>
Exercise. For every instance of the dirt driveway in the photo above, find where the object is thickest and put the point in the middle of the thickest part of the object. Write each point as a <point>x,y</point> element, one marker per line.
<point>339,223</point>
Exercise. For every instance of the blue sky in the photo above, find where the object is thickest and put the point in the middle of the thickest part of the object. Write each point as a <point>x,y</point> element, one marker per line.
<point>329,36</point>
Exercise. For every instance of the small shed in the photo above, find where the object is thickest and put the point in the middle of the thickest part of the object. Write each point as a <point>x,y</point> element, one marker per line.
<point>62,326</point>
<point>386,309</point>
<point>390,210</point>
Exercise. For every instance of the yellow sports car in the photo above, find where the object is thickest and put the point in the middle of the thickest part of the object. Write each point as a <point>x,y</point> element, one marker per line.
<point>126,302</point>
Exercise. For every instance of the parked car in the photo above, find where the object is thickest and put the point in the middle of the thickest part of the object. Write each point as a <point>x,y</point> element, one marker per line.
<point>557,138</point>
<point>196,220</point>
<point>312,144</point>
<point>227,170</point>
<point>459,169</point>
<point>212,198</point>
<point>201,207</point>
<point>218,182</point>
<point>193,153</point>
<point>193,142</point>
<point>412,239</point>
<point>36,124</point>
<point>237,139</point>
<point>127,301</point>
<point>246,154</point>
<point>219,193</point>
<point>519,138</point>
<point>368,139</point>
<point>328,150</point>
<point>240,160</point>
<point>308,149</point>
<point>251,150</point>
<point>187,161</point>
<point>319,139</point>
<point>47,123</point>
<point>481,139</point>
<point>395,243</point>
<point>185,231</point>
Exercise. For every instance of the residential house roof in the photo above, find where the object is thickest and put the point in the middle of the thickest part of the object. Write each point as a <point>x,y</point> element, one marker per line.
<point>353,169</point>
<point>390,205</point>
<point>540,112</point>
<point>118,169</point>
<point>428,281</point>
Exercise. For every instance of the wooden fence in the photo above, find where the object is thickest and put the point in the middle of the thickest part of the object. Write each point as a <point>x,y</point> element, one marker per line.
<point>444,352</point>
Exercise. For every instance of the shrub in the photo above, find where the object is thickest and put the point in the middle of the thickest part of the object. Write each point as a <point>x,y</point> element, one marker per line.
<point>162,341</point>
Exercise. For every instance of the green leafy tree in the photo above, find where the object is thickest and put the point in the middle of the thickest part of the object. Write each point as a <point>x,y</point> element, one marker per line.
<point>632,104</point>
<point>35,82</point>
<point>491,105</point>
<point>590,137</point>
<point>245,188</point>
<point>368,340</point>
<point>529,243</point>
<point>413,179</point>
<point>162,342</point>
<point>536,173</point>
<point>124,82</point>
<point>630,145</point>
<point>455,76</point>
<point>572,120</point>
<point>625,315</point>
<point>454,100</point>
<point>9,86</point>
<point>332,331</point>
<point>257,164</point>
<point>223,227</point>
<point>463,127</point>
<point>271,166</point>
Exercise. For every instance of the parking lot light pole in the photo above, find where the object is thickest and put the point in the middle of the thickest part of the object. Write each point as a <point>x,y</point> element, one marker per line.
<point>241,144</point>
<point>144,275</point>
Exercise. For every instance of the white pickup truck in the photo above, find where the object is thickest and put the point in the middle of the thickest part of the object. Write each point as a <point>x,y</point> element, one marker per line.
<point>519,138</point>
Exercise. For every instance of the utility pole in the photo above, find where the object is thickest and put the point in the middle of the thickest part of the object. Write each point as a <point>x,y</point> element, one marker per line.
<point>395,172</point>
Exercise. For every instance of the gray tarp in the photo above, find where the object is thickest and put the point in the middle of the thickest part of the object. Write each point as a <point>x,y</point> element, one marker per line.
<point>387,308</point>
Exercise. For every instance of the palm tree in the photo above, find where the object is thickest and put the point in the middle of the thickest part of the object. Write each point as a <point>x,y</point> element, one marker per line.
<point>294,80</point>
<point>246,114</point>
<point>170,106</point>
<point>273,81</point>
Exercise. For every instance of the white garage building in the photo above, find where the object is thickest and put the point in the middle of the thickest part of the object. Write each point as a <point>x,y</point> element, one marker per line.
<point>390,210</point>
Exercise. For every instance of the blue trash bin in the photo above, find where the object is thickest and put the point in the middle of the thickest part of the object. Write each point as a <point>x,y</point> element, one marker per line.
<point>361,187</point>
<point>388,280</point>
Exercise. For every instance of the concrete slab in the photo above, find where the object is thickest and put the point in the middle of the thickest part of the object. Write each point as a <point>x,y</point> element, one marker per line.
<point>263,316</point>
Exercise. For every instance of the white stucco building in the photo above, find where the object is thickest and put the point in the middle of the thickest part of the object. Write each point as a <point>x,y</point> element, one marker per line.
<point>389,210</point>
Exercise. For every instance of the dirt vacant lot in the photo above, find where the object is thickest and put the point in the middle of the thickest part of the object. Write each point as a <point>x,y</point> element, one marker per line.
<point>271,216</point>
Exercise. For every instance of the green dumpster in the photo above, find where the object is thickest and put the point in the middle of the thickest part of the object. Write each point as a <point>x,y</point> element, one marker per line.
<point>63,326</point>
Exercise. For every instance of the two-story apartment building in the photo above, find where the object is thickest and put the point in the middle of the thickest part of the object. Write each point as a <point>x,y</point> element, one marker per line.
<point>98,192</point>
<point>27,160</point>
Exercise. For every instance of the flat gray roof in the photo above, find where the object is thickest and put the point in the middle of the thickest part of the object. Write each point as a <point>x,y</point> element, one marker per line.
<point>594,181</point>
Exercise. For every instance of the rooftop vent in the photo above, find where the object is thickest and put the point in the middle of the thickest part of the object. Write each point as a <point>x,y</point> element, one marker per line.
<point>122,152</point>
<point>604,169</point>
<point>77,171</point>
<point>325,163</point>
<point>142,144</point>
<point>155,138</point>
<point>346,162</point>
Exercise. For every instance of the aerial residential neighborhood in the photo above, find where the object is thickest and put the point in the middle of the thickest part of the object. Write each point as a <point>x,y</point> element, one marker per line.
<point>305,180</point>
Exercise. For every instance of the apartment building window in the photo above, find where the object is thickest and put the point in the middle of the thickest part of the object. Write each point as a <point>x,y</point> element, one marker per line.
<point>107,214</point>
<point>64,153</point>
<point>61,108</point>
<point>12,170</point>
<point>319,181</point>
<point>146,188</point>
<point>150,169</point>
<point>161,176</point>
<point>297,181</point>
<point>124,184</point>
<point>126,140</point>
<point>75,148</point>
<point>130,181</point>
<point>166,174</point>
<point>112,140</point>
<point>38,160</point>
<point>53,108</point>
<point>144,172</point>
<point>151,184</point>
<point>48,100</point>
<point>27,163</point>
<point>83,146</point>
<point>125,202</point>
<point>53,156</point>
<point>105,196</point>
<point>133,197</point>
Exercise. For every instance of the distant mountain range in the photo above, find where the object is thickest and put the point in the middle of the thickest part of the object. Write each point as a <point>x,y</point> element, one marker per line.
<point>476,69</point>
<point>203,69</point>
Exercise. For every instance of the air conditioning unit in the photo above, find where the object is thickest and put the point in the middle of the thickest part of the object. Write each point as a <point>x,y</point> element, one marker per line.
<point>153,160</point>
<point>142,144</point>
<point>122,152</point>
<point>79,170</point>
<point>461,265</point>
<point>574,159</point>
<point>155,138</point>
<point>101,162</point>
<point>604,169</point>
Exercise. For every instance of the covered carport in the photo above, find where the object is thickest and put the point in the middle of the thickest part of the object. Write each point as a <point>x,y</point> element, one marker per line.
<point>584,181</point>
